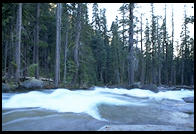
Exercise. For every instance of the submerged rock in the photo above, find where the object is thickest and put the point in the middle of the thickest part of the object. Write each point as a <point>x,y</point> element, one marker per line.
<point>189,99</point>
<point>33,83</point>
<point>145,128</point>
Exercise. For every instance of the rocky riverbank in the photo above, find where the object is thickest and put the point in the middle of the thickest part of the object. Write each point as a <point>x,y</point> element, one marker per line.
<point>30,83</point>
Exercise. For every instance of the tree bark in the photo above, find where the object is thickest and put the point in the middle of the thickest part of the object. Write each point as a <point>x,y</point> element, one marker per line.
<point>10,66</point>
<point>37,42</point>
<point>5,63</point>
<point>46,67</point>
<point>166,43</point>
<point>76,50</point>
<point>131,51</point>
<point>174,75</point>
<point>34,45</point>
<point>183,51</point>
<point>142,58</point>
<point>18,43</point>
<point>65,56</point>
<point>123,36</point>
<point>153,40</point>
<point>25,59</point>
<point>182,72</point>
<point>172,65</point>
<point>58,43</point>
<point>159,53</point>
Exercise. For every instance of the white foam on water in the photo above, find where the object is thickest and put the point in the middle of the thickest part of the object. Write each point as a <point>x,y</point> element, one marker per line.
<point>64,100</point>
<point>174,95</point>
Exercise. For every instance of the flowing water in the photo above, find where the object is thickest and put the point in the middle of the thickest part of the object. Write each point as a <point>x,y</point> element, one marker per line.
<point>63,109</point>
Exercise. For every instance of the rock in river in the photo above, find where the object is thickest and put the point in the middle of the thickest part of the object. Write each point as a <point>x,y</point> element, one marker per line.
<point>144,128</point>
<point>189,99</point>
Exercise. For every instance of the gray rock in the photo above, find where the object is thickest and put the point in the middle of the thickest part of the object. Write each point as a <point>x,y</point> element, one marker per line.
<point>33,83</point>
<point>5,87</point>
<point>189,99</point>
<point>184,87</point>
<point>151,87</point>
<point>145,128</point>
<point>136,85</point>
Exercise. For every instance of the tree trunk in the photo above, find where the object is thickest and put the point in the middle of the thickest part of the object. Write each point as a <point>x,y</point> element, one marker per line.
<point>37,42</point>
<point>34,45</point>
<point>58,43</point>
<point>65,56</point>
<point>166,55</point>
<point>46,68</point>
<point>5,63</point>
<point>172,65</point>
<point>117,76</point>
<point>174,75</point>
<point>25,59</point>
<point>184,51</point>
<point>123,36</point>
<point>10,66</point>
<point>142,59</point>
<point>153,40</point>
<point>76,51</point>
<point>182,73</point>
<point>192,77</point>
<point>159,53</point>
<point>131,51</point>
<point>18,39</point>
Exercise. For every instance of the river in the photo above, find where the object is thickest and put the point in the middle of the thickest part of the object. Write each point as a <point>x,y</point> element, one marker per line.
<point>89,110</point>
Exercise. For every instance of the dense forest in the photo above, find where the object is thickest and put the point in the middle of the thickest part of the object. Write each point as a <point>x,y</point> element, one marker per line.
<point>58,41</point>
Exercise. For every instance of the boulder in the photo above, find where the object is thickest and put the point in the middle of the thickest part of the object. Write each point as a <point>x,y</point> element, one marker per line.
<point>136,85</point>
<point>189,99</point>
<point>5,87</point>
<point>151,87</point>
<point>33,83</point>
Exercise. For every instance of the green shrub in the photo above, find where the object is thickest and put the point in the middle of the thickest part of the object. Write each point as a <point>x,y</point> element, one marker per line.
<point>31,69</point>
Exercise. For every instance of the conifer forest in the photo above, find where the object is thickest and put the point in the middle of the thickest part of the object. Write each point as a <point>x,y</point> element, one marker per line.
<point>58,42</point>
<point>97,67</point>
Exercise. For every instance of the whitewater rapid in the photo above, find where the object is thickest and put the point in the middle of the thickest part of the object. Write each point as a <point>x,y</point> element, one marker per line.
<point>81,101</point>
